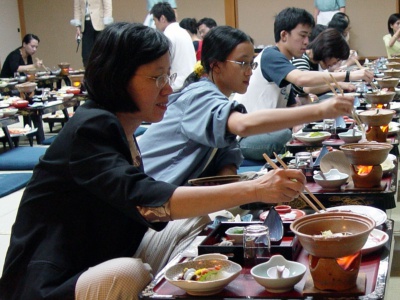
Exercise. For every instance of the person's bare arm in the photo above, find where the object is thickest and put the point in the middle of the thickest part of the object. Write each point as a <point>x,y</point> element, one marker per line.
<point>275,186</point>
<point>346,86</point>
<point>316,78</point>
<point>316,13</point>
<point>268,120</point>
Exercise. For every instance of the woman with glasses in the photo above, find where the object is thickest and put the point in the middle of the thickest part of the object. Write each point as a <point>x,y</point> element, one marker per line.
<point>89,203</point>
<point>197,136</point>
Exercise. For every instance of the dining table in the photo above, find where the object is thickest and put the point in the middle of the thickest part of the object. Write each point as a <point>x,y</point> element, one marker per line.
<point>34,114</point>
<point>4,123</point>
<point>375,268</point>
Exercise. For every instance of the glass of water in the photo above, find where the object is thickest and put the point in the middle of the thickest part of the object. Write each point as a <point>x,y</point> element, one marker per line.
<point>256,245</point>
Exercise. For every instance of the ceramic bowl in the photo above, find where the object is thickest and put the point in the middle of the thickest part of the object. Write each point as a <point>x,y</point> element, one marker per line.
<point>55,71</point>
<point>309,229</point>
<point>283,209</point>
<point>211,256</point>
<point>392,73</point>
<point>349,137</point>
<point>228,272</point>
<point>66,96</point>
<point>73,90</point>
<point>7,112</point>
<point>265,274</point>
<point>366,154</point>
<point>393,59</point>
<point>379,98</point>
<point>20,103</point>
<point>312,137</point>
<point>334,179</point>
<point>393,65</point>
<point>27,87</point>
<point>236,234</point>
<point>21,79</point>
<point>387,82</point>
<point>376,116</point>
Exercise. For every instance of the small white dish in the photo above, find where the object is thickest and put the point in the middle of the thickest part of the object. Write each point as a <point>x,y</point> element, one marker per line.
<point>236,234</point>
<point>334,179</point>
<point>312,137</point>
<point>228,272</point>
<point>350,136</point>
<point>278,285</point>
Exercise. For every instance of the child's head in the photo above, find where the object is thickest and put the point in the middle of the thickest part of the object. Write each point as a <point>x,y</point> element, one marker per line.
<point>289,18</point>
<point>329,47</point>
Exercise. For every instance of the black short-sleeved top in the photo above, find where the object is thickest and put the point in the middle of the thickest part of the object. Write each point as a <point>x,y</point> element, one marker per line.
<point>12,62</point>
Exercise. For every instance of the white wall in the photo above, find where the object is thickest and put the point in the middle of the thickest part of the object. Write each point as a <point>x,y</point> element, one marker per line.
<point>10,35</point>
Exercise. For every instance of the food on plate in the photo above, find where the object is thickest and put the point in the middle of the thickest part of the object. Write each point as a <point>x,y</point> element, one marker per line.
<point>315,134</point>
<point>203,274</point>
<point>238,230</point>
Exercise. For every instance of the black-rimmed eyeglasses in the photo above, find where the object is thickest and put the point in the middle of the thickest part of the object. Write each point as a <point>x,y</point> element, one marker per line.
<point>162,80</point>
<point>245,65</point>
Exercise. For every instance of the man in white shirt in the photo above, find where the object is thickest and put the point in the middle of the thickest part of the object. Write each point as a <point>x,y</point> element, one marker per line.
<point>183,56</point>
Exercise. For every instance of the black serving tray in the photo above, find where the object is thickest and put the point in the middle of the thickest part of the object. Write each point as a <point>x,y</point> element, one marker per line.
<point>289,247</point>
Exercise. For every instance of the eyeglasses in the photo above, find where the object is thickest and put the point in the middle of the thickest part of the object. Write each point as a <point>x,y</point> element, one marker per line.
<point>245,65</point>
<point>162,80</point>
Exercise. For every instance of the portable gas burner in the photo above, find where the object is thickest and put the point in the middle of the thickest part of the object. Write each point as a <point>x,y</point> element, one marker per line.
<point>365,160</point>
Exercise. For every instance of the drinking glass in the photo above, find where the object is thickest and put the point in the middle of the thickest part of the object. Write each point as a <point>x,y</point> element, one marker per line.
<point>304,161</point>
<point>330,126</point>
<point>256,245</point>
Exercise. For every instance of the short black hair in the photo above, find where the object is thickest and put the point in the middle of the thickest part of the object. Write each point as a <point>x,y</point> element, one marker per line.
<point>164,9</point>
<point>120,49</point>
<point>218,43</point>
<point>210,23</point>
<point>289,18</point>
<point>189,24</point>
<point>330,43</point>
<point>340,21</point>
<point>316,31</point>
<point>392,19</point>
<point>29,37</point>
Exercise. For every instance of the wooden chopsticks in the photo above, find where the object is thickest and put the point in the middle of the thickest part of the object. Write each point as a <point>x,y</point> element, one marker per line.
<point>361,67</point>
<point>304,197</point>
<point>358,63</point>
<point>337,84</point>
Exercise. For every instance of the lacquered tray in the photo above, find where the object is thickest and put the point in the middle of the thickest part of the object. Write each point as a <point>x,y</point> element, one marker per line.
<point>289,247</point>
<point>375,266</point>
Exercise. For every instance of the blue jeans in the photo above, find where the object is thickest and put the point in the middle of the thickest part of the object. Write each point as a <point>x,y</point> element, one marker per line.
<point>254,146</point>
